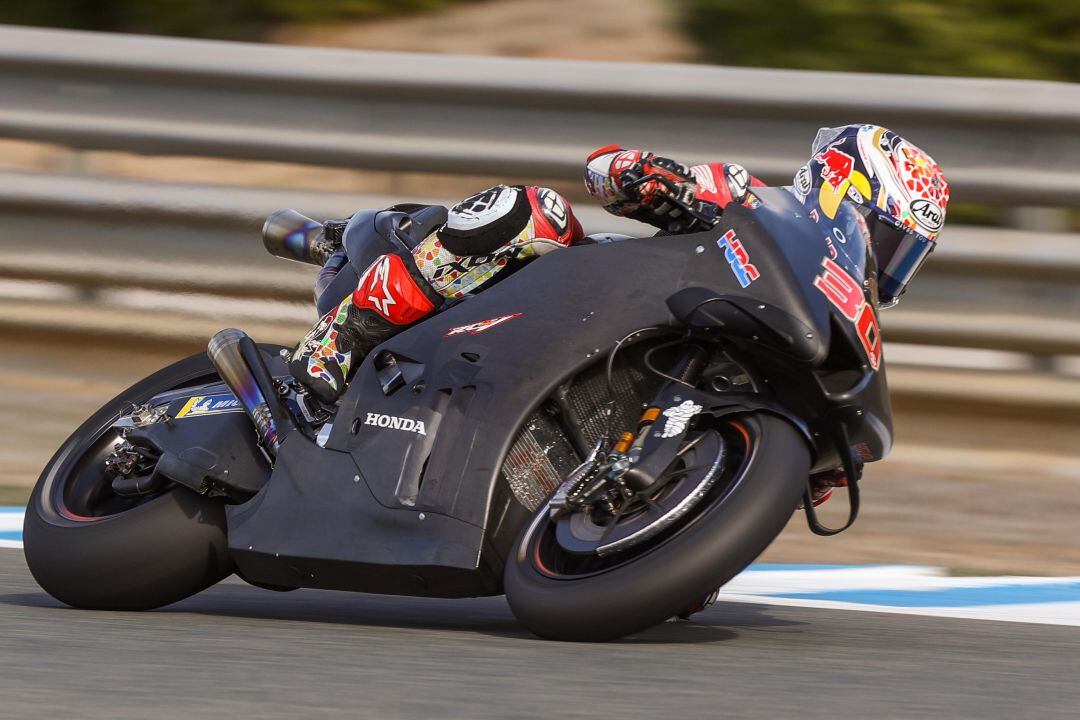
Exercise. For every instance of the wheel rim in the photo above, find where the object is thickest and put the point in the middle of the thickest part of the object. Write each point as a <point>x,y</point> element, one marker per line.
<point>543,549</point>
<point>683,485</point>
<point>78,489</point>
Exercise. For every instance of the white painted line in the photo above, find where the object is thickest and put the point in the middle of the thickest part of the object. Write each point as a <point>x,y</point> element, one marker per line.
<point>1066,613</point>
<point>911,590</point>
<point>763,581</point>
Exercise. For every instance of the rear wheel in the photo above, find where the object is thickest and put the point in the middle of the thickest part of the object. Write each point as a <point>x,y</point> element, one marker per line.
<point>597,577</point>
<point>91,548</point>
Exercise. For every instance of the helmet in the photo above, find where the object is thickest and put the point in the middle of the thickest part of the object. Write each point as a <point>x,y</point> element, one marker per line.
<point>900,191</point>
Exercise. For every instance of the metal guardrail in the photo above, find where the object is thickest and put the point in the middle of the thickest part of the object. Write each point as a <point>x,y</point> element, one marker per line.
<point>236,268</point>
<point>1002,141</point>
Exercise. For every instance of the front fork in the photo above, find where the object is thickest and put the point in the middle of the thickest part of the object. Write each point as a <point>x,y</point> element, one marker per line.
<point>636,459</point>
<point>664,423</point>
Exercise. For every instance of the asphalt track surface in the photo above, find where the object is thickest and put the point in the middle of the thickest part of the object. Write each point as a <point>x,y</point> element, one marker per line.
<point>237,651</point>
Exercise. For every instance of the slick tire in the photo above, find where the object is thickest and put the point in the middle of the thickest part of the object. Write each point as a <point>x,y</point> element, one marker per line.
<point>153,554</point>
<point>664,580</point>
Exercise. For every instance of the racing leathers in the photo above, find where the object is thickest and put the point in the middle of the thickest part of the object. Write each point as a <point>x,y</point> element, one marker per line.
<point>485,237</point>
<point>489,235</point>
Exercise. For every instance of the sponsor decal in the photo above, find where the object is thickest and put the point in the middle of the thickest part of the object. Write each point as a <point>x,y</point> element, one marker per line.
<point>678,417</point>
<point>836,166</point>
<point>803,183</point>
<point>846,295</point>
<point>479,327</point>
<point>814,215</point>
<point>466,263</point>
<point>393,422</point>
<point>210,405</point>
<point>738,259</point>
<point>927,213</point>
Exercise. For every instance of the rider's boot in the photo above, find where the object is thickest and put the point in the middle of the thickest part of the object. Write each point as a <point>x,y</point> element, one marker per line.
<point>387,299</point>
<point>822,484</point>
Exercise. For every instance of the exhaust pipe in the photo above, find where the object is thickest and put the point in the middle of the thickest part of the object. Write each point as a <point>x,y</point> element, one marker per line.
<point>290,235</point>
<point>237,360</point>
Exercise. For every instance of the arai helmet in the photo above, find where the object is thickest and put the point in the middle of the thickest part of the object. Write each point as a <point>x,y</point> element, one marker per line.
<point>900,190</point>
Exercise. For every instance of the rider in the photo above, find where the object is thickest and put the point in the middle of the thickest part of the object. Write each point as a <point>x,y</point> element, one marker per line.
<point>900,190</point>
<point>489,235</point>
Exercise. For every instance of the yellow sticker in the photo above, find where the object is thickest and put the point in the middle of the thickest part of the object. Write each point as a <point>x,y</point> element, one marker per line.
<point>209,405</point>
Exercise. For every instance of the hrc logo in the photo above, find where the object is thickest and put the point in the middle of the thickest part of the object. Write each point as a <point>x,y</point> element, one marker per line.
<point>738,259</point>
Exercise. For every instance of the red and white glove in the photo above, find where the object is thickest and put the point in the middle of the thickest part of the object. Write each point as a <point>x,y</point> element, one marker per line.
<point>661,191</point>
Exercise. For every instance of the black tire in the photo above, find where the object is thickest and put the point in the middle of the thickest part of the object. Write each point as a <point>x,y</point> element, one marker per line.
<point>729,532</point>
<point>114,554</point>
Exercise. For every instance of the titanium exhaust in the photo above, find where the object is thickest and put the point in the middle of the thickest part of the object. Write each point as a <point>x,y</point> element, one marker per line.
<point>293,236</point>
<point>240,365</point>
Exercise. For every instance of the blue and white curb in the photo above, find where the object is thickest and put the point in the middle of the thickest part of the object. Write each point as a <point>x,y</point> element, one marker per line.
<point>11,522</point>
<point>910,590</point>
<point>901,589</point>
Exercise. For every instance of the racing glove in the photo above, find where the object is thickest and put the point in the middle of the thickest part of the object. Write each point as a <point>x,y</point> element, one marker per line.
<point>663,192</point>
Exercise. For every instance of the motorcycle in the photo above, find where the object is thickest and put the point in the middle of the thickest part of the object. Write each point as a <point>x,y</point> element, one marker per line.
<point>606,437</point>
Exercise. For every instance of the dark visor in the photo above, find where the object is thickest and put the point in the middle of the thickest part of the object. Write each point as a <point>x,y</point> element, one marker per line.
<point>899,254</point>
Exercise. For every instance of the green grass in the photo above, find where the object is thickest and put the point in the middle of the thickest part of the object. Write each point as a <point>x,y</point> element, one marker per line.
<point>1030,39</point>
<point>221,19</point>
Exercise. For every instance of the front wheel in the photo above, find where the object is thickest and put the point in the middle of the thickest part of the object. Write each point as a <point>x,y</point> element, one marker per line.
<point>569,594</point>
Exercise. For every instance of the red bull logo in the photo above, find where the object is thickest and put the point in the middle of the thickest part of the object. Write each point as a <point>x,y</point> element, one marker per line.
<point>836,166</point>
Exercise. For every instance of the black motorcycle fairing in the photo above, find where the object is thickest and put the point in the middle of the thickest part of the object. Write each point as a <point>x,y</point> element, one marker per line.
<point>422,221</point>
<point>434,445</point>
<point>481,386</point>
<point>216,453</point>
<point>317,525</point>
<point>209,448</point>
<point>371,233</point>
<point>853,386</point>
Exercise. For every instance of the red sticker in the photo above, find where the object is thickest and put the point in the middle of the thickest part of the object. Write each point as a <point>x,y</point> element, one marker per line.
<point>479,327</point>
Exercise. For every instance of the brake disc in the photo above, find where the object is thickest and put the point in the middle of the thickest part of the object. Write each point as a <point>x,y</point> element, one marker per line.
<point>589,532</point>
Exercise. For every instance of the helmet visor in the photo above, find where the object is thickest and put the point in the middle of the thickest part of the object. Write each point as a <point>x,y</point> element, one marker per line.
<point>899,254</point>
